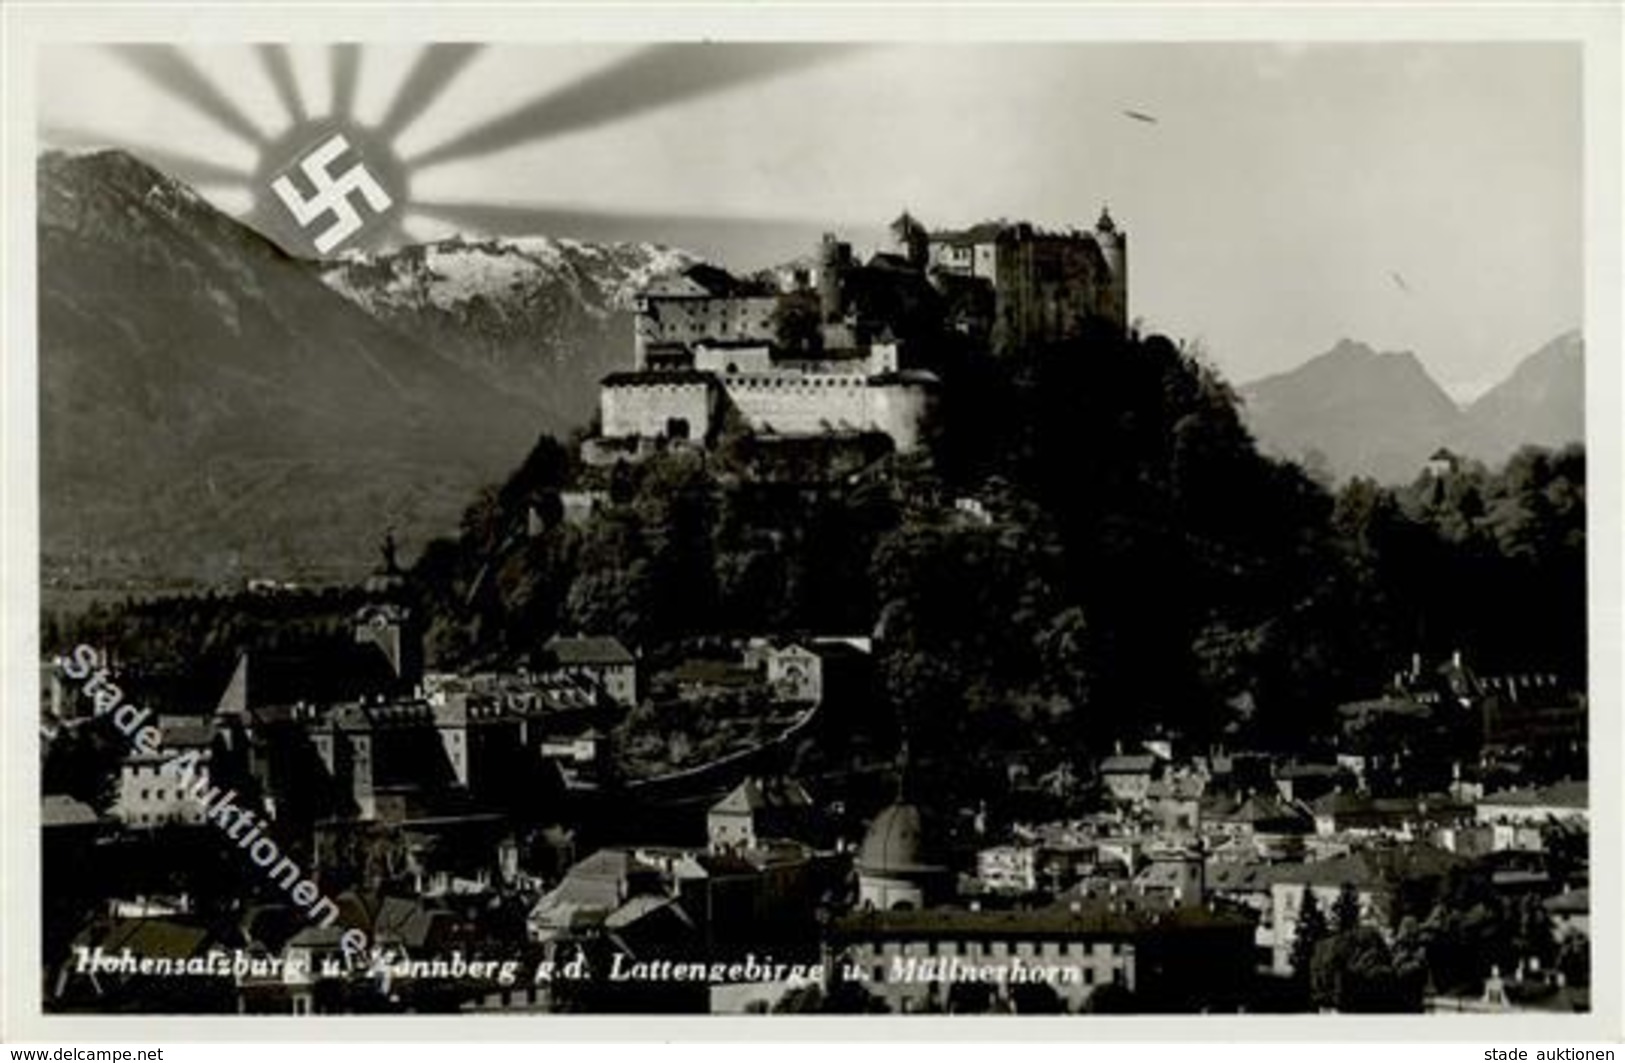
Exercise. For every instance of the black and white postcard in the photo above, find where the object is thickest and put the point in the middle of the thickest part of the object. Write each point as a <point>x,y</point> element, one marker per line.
<point>528,514</point>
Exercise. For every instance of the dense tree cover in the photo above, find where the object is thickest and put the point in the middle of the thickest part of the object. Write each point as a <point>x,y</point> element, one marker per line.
<point>175,654</point>
<point>1463,926</point>
<point>1355,971</point>
<point>1134,563</point>
<point>1491,562</point>
<point>1308,934</point>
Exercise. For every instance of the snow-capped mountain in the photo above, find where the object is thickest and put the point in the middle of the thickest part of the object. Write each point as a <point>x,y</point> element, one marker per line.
<point>542,318</point>
<point>210,410</point>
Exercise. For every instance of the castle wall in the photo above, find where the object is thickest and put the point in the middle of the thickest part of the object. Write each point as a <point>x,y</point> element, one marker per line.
<point>651,409</point>
<point>757,359</point>
<point>796,404</point>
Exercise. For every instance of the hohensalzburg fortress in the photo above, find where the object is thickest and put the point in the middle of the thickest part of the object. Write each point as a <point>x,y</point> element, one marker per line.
<point>831,345</point>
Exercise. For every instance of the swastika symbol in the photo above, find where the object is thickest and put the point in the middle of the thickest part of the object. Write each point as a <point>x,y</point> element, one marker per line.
<point>330,194</point>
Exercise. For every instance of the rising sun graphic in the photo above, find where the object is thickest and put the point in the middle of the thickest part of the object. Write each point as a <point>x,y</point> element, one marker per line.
<point>328,183</point>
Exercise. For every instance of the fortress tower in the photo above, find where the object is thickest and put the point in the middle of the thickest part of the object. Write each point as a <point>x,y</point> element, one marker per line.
<point>1114,249</point>
<point>834,261</point>
<point>910,240</point>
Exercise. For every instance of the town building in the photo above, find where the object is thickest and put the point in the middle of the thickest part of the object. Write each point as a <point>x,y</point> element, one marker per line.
<point>759,810</point>
<point>155,789</point>
<point>601,658</point>
<point>1048,959</point>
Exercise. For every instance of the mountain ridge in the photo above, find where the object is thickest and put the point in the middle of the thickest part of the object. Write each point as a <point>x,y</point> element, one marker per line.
<point>543,317</point>
<point>1356,411</point>
<point>210,410</point>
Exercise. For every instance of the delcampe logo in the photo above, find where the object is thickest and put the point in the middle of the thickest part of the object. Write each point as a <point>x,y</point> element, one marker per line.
<point>330,200</point>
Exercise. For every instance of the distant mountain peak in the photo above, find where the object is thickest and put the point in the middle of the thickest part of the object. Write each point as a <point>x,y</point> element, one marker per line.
<point>1380,413</point>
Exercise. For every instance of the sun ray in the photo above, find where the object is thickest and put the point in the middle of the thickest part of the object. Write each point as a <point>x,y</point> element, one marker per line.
<point>279,68</point>
<point>413,230</point>
<point>653,77</point>
<point>188,168</point>
<point>167,68</point>
<point>345,62</point>
<point>433,72</point>
<point>395,236</point>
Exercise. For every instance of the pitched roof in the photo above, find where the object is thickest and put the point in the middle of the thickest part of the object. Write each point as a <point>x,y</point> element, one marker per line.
<point>1574,902</point>
<point>1267,809</point>
<point>1369,869</point>
<point>1082,918</point>
<point>325,675</point>
<point>1568,794</point>
<point>1243,876</point>
<point>589,649</point>
<point>704,671</point>
<point>754,795</point>
<point>1178,787</point>
<point>715,865</point>
<point>407,921</point>
<point>1128,764</point>
<point>1300,770</point>
<point>980,233</point>
<point>318,937</point>
<point>609,864</point>
<point>185,732</point>
<point>157,938</point>
<point>60,810</point>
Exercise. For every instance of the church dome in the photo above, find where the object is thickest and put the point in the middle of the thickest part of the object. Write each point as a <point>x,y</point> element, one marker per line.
<point>896,844</point>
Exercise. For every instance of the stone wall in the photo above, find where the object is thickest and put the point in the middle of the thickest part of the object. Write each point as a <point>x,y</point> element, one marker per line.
<point>655,408</point>
<point>795,404</point>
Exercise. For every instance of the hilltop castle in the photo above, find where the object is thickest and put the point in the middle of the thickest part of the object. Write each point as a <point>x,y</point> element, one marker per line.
<point>831,345</point>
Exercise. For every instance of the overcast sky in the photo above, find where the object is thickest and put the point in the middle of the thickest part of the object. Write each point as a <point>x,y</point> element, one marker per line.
<point>1411,196</point>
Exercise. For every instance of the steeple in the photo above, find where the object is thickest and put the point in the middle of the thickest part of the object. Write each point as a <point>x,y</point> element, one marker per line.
<point>386,620</point>
<point>1105,224</point>
<point>387,580</point>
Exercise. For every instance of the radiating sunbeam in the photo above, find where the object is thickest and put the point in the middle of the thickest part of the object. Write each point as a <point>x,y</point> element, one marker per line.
<point>182,167</point>
<point>653,77</point>
<point>166,67</point>
<point>436,66</point>
<point>396,235</point>
<point>345,62</point>
<point>279,68</point>
<point>758,239</point>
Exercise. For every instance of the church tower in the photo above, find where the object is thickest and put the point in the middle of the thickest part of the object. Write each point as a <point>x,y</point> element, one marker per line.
<point>387,622</point>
